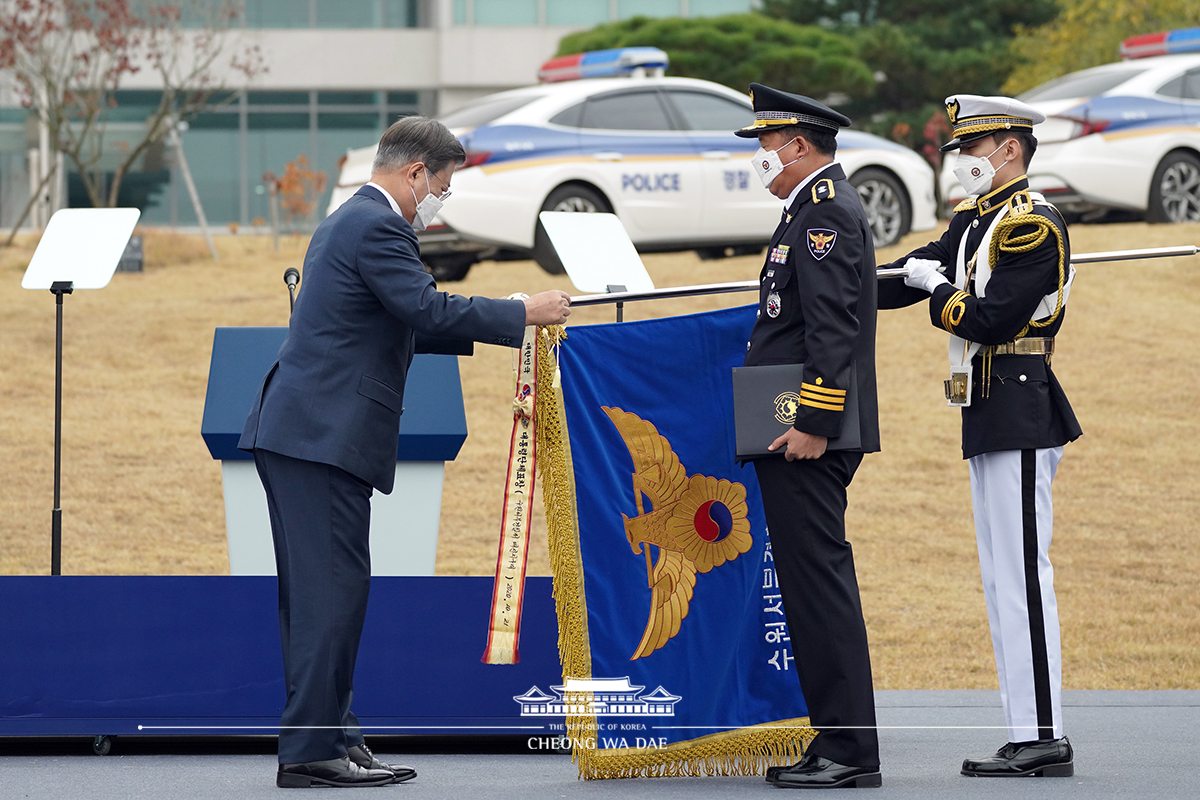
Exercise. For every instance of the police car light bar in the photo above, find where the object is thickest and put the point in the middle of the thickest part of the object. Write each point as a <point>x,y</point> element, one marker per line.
<point>625,61</point>
<point>1184,40</point>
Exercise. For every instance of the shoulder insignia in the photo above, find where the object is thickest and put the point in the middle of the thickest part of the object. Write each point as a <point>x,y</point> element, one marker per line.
<point>820,242</point>
<point>1020,203</point>
<point>966,205</point>
<point>822,190</point>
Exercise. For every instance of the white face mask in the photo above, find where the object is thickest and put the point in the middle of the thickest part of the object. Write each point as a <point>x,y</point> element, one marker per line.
<point>768,165</point>
<point>976,173</point>
<point>428,208</point>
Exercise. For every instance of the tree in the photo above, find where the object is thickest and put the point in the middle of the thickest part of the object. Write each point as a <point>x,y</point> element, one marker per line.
<point>737,49</point>
<point>1088,33</point>
<point>69,58</point>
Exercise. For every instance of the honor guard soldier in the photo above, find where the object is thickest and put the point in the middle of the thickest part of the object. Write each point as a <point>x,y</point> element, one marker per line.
<point>1002,299</point>
<point>817,307</point>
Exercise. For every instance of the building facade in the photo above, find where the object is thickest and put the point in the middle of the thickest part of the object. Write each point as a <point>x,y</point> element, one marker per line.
<point>338,72</point>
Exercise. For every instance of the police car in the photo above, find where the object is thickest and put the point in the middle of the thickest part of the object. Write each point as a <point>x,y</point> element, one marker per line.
<point>1123,136</point>
<point>606,132</point>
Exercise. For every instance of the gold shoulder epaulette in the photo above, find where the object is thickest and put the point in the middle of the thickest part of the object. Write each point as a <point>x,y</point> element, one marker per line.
<point>1020,203</point>
<point>822,190</point>
<point>966,205</point>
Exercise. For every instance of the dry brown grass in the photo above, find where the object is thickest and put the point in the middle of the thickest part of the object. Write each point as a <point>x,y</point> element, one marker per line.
<point>142,495</point>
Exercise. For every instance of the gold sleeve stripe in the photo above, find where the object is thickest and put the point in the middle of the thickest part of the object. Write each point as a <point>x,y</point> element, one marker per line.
<point>951,304</point>
<point>808,387</point>
<point>804,401</point>
<point>820,398</point>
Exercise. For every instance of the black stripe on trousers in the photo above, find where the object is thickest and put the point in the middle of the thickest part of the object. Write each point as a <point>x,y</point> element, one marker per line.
<point>1033,596</point>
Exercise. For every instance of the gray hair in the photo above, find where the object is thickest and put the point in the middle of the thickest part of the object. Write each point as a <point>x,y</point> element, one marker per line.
<point>422,139</point>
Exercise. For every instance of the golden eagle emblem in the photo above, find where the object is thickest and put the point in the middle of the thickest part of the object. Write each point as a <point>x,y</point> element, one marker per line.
<point>819,240</point>
<point>697,523</point>
<point>952,111</point>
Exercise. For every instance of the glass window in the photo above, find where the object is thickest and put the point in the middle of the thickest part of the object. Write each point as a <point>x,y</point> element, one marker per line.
<point>347,98</point>
<point>289,121</point>
<point>1172,88</point>
<point>709,112</point>
<point>277,98</point>
<point>399,13</point>
<point>1088,83</point>
<point>570,117</point>
<point>646,8</point>
<point>481,113</point>
<point>576,12</point>
<point>212,148</point>
<point>271,149</point>
<point>506,12</point>
<point>632,111</point>
<point>714,8</point>
<point>348,14</point>
<point>460,12</point>
<point>402,98</point>
<point>1191,85</point>
<point>368,120</point>
<point>277,14</point>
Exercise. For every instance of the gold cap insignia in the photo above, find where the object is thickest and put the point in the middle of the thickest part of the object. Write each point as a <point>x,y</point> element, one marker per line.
<point>952,110</point>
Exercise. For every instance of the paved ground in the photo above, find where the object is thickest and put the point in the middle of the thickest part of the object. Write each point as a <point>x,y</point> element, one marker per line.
<point>1128,745</point>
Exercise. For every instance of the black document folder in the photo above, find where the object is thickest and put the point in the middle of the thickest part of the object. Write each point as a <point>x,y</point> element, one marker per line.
<point>765,399</point>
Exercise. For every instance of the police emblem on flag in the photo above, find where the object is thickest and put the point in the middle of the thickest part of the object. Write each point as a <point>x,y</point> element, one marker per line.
<point>820,242</point>
<point>773,305</point>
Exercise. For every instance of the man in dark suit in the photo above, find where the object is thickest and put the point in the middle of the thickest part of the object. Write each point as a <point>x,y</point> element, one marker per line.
<point>817,307</point>
<point>325,427</point>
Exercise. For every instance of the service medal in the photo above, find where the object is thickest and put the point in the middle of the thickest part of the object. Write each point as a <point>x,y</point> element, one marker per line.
<point>773,305</point>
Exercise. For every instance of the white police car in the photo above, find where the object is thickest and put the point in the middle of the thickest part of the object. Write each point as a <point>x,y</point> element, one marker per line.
<point>658,152</point>
<point>1123,136</point>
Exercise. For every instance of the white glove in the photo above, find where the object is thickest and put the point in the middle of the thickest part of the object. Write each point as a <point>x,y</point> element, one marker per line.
<point>923,274</point>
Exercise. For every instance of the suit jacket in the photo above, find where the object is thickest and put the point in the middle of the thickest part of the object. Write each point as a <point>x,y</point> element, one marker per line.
<point>817,306</point>
<point>336,392</point>
<point>1026,407</point>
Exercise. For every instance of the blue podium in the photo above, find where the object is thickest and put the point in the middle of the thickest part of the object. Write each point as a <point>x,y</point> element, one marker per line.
<point>404,524</point>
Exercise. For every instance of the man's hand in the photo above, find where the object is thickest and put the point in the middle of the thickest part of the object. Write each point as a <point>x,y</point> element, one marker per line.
<point>923,274</point>
<point>800,445</point>
<point>547,308</point>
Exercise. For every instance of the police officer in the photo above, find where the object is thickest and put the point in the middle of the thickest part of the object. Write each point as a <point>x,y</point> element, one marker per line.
<point>817,307</point>
<point>1002,299</point>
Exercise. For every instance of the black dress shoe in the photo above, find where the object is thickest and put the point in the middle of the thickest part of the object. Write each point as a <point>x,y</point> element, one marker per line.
<point>1052,759</point>
<point>334,772</point>
<point>361,754</point>
<point>817,772</point>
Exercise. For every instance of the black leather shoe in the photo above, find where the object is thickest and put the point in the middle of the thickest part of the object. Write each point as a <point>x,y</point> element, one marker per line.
<point>334,772</point>
<point>361,754</point>
<point>816,772</point>
<point>1051,759</point>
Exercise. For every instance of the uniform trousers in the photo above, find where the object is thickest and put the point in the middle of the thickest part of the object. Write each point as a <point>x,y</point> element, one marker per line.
<point>320,523</point>
<point>805,505</point>
<point>1014,521</point>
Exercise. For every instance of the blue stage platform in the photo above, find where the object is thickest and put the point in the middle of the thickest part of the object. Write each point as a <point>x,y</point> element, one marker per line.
<point>130,655</point>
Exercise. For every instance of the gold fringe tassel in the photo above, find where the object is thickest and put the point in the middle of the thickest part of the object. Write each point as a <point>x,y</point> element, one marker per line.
<point>745,751</point>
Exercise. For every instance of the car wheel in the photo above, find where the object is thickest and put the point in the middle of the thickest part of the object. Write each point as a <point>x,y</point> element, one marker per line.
<point>1175,189</point>
<point>573,197</point>
<point>883,198</point>
<point>448,268</point>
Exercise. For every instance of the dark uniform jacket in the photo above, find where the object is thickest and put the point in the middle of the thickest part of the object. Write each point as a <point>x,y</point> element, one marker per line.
<point>1025,407</point>
<point>336,393</point>
<point>817,306</point>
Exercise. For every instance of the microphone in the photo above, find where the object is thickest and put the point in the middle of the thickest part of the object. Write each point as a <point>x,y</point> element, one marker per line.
<point>291,276</point>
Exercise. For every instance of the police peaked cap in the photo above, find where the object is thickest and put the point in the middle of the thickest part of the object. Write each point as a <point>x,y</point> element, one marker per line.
<point>974,117</point>
<point>775,109</point>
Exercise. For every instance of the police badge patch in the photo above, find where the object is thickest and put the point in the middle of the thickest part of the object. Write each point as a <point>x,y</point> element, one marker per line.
<point>820,242</point>
<point>773,305</point>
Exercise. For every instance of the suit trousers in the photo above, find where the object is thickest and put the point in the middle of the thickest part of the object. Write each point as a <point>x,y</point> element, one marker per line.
<point>1014,522</point>
<point>805,505</point>
<point>320,523</point>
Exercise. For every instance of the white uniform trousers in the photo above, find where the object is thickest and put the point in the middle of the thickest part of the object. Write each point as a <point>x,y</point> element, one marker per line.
<point>1014,520</point>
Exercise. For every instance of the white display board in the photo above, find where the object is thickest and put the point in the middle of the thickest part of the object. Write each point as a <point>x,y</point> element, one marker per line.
<point>596,251</point>
<point>81,245</point>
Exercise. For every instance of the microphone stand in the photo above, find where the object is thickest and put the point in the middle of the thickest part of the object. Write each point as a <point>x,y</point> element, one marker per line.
<point>291,276</point>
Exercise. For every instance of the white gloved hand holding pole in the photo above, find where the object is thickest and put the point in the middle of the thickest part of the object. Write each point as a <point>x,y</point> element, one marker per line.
<point>923,274</point>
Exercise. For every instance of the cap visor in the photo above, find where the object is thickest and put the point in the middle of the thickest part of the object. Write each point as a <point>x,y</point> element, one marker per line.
<point>751,132</point>
<point>959,141</point>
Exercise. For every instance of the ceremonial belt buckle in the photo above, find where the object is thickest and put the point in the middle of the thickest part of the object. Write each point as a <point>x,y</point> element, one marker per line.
<point>958,387</point>
<point>1027,346</point>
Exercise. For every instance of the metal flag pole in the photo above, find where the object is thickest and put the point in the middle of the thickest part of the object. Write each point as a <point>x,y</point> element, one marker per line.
<point>898,272</point>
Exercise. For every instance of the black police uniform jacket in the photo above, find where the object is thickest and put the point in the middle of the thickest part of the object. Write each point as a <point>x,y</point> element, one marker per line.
<point>817,306</point>
<point>1025,406</point>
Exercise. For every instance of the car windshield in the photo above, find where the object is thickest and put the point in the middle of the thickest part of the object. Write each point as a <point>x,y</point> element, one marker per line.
<point>1088,83</point>
<point>484,111</point>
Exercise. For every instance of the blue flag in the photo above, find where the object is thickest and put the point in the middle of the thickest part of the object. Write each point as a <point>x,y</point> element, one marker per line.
<point>676,655</point>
